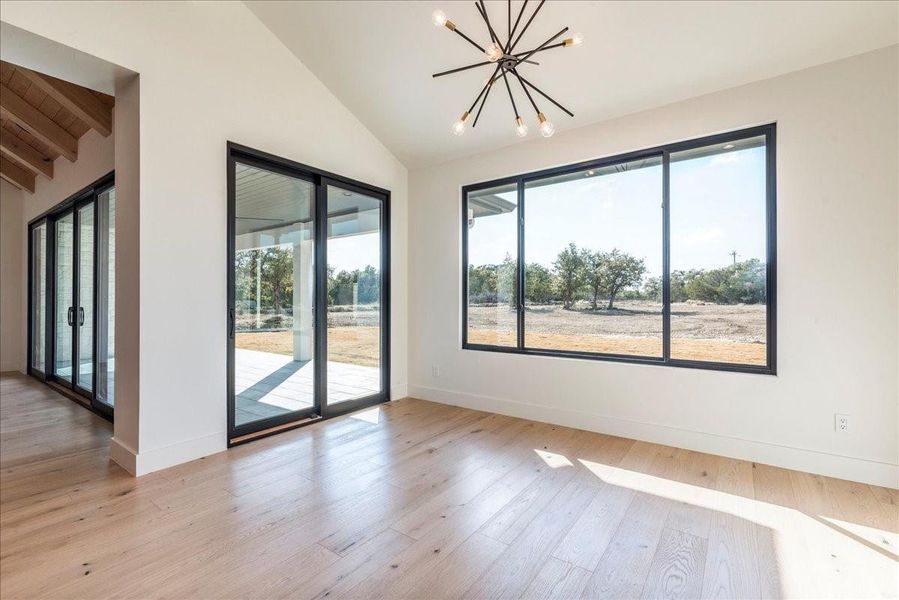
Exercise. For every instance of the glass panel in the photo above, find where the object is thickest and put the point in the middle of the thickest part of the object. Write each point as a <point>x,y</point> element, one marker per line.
<point>65,240</point>
<point>492,266</point>
<point>274,292</point>
<point>105,391</point>
<point>38,296</point>
<point>718,253</point>
<point>84,315</point>
<point>593,256</point>
<point>354,295</point>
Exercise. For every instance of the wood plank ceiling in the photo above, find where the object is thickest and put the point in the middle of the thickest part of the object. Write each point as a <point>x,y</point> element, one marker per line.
<point>41,119</point>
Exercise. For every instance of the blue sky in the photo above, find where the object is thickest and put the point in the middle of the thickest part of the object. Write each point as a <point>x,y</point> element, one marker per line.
<point>717,206</point>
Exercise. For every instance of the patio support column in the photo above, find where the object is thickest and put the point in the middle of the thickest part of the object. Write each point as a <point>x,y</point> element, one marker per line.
<point>303,285</point>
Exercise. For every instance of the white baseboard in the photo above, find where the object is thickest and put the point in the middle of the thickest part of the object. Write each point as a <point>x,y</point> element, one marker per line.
<point>799,459</point>
<point>399,391</point>
<point>168,456</point>
<point>123,455</point>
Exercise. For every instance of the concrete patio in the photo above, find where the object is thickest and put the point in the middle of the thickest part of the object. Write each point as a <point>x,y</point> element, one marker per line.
<point>268,385</point>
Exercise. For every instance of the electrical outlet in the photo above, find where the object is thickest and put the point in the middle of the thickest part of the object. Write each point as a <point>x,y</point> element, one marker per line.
<point>435,371</point>
<point>841,423</point>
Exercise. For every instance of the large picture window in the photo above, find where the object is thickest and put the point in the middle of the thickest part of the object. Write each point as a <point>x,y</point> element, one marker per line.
<point>663,256</point>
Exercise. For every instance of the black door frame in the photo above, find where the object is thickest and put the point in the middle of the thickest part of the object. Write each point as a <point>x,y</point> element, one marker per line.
<point>320,180</point>
<point>50,217</point>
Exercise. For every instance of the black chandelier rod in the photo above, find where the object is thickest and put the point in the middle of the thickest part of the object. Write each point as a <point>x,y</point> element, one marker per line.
<point>483,90</point>
<point>542,93</point>
<point>515,27</point>
<point>526,91</point>
<point>526,25</point>
<point>543,45</point>
<point>468,39</point>
<point>487,62</point>
<point>482,10</point>
<point>490,83</point>
<point>511,98</point>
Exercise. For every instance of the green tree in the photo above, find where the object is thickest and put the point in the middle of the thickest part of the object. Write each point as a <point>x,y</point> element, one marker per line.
<point>245,279</point>
<point>276,276</point>
<point>507,281</point>
<point>538,284</point>
<point>570,274</point>
<point>594,274</point>
<point>741,283</point>
<point>617,271</point>
<point>369,280</point>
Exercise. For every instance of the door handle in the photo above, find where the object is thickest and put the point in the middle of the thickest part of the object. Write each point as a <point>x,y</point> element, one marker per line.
<point>231,323</point>
<point>80,316</point>
<point>69,315</point>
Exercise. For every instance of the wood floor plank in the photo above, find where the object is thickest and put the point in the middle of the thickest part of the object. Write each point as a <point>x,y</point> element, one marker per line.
<point>423,500</point>
<point>557,580</point>
<point>624,566</point>
<point>513,572</point>
<point>677,567</point>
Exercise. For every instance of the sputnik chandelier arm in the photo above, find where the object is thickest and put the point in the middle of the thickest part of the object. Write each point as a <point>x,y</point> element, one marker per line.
<point>507,62</point>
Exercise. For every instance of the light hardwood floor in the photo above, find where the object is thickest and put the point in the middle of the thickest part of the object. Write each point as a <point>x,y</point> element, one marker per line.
<point>420,500</point>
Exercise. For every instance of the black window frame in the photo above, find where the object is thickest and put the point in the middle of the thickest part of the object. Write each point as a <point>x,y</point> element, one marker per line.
<point>321,408</point>
<point>83,197</point>
<point>769,131</point>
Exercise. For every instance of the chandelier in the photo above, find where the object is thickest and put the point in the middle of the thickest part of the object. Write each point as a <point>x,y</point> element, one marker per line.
<point>506,64</point>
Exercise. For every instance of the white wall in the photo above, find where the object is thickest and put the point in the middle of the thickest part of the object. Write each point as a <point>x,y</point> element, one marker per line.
<point>209,73</point>
<point>12,276</point>
<point>837,197</point>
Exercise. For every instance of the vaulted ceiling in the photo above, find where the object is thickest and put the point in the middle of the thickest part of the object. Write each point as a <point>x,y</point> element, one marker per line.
<point>41,120</point>
<point>378,57</point>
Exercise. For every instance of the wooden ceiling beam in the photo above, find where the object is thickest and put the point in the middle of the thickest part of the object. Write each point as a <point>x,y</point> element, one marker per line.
<point>20,177</point>
<point>15,108</point>
<point>78,100</point>
<point>17,148</point>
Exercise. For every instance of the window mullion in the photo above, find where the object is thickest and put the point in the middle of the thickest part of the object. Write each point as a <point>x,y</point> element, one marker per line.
<point>521,265</point>
<point>666,256</point>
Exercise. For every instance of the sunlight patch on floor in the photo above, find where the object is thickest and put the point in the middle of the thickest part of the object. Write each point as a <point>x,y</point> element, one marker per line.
<point>553,460</point>
<point>792,535</point>
<point>372,415</point>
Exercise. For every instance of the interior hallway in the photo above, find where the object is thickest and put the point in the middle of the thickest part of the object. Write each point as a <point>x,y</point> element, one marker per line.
<point>415,499</point>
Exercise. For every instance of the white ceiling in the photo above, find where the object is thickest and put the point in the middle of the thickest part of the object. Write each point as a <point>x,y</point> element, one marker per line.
<point>378,57</point>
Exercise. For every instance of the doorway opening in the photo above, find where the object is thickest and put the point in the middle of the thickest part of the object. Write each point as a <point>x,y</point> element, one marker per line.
<point>308,294</point>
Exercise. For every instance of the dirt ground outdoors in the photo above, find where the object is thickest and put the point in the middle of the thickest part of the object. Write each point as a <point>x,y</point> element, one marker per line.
<point>353,337</point>
<point>709,332</point>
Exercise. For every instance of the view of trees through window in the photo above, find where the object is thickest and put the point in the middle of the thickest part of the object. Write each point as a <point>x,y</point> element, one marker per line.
<point>591,240</point>
<point>594,258</point>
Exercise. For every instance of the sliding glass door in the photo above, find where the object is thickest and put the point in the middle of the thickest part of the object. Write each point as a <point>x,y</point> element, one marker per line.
<point>72,295</point>
<point>307,296</point>
<point>274,290</point>
<point>37,294</point>
<point>84,293</point>
<point>104,391</point>
<point>355,251</point>
<point>64,288</point>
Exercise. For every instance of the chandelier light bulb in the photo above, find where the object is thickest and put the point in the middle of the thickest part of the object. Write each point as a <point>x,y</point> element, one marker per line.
<point>493,52</point>
<point>459,126</point>
<point>438,18</point>
<point>520,128</point>
<point>547,129</point>
<point>575,40</point>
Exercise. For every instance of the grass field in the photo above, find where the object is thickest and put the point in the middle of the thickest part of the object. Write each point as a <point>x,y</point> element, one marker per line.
<point>353,344</point>
<point>708,332</point>
<point>719,333</point>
